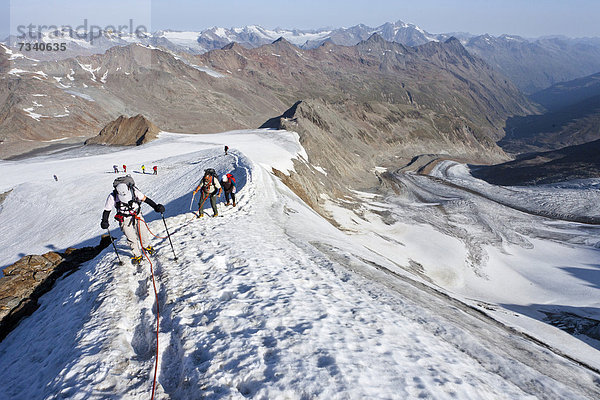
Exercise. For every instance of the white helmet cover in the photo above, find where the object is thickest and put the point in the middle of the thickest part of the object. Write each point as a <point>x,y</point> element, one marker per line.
<point>124,193</point>
<point>224,178</point>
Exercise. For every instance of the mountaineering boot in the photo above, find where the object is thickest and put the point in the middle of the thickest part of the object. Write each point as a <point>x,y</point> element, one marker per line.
<point>228,203</point>
<point>216,214</point>
<point>150,250</point>
<point>234,203</point>
<point>200,215</point>
<point>136,260</point>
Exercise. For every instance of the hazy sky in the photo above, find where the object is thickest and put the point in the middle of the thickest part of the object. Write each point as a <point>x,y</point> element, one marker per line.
<point>530,18</point>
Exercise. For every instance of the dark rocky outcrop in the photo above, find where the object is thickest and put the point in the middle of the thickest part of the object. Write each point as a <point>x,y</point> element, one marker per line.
<point>569,126</point>
<point>28,279</point>
<point>573,162</point>
<point>568,93</point>
<point>572,118</point>
<point>279,122</point>
<point>126,132</point>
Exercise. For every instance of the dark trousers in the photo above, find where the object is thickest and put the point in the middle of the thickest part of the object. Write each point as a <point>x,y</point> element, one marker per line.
<point>213,201</point>
<point>227,196</point>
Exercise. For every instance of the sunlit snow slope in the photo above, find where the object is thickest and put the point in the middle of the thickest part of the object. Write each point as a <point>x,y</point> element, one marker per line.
<point>267,301</point>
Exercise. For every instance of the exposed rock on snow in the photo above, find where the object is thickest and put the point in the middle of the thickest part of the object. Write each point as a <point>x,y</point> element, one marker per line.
<point>28,279</point>
<point>127,131</point>
<point>569,163</point>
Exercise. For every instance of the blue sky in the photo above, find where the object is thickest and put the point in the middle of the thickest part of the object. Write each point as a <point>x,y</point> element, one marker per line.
<point>531,18</point>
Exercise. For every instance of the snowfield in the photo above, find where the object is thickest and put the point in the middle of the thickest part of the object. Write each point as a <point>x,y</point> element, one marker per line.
<point>266,301</point>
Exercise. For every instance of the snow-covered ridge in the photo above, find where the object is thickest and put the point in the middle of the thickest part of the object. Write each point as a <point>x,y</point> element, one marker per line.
<point>267,301</point>
<point>24,175</point>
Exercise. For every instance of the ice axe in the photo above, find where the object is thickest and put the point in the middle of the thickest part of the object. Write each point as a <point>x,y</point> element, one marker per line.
<point>192,202</point>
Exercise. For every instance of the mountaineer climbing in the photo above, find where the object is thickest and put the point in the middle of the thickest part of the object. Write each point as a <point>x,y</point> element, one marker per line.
<point>228,185</point>
<point>127,200</point>
<point>210,187</point>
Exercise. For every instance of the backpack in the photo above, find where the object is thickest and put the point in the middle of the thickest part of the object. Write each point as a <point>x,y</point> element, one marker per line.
<point>211,172</point>
<point>128,180</point>
<point>231,178</point>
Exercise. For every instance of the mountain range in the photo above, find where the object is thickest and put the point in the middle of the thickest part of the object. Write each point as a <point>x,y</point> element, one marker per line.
<point>359,85</point>
<point>378,87</point>
<point>531,64</point>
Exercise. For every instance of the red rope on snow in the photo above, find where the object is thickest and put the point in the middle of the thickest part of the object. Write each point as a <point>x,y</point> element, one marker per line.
<point>156,298</point>
<point>147,227</point>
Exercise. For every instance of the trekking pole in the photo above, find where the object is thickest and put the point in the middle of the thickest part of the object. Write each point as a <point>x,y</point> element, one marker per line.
<point>168,235</point>
<point>114,247</point>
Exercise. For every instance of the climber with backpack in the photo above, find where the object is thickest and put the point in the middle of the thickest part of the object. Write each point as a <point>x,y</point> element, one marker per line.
<point>228,185</point>
<point>127,199</point>
<point>210,188</point>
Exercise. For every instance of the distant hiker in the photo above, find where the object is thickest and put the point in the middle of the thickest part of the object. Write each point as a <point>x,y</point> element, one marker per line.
<point>155,168</point>
<point>124,168</point>
<point>143,169</point>
<point>209,186</point>
<point>127,200</point>
<point>55,178</point>
<point>115,169</point>
<point>226,149</point>
<point>228,185</point>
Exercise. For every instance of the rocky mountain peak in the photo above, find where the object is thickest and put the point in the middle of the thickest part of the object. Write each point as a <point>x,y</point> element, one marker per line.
<point>377,42</point>
<point>232,46</point>
<point>326,44</point>
<point>283,45</point>
<point>453,40</point>
<point>452,48</point>
<point>455,45</point>
<point>281,40</point>
<point>375,38</point>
